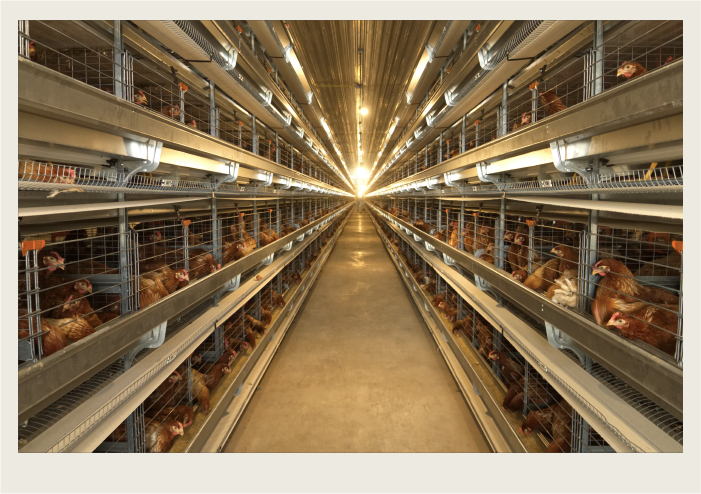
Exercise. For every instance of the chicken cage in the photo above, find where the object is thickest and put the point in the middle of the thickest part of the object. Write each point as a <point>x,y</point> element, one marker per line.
<point>216,361</point>
<point>83,51</point>
<point>191,390</point>
<point>72,283</point>
<point>624,50</point>
<point>562,260</point>
<point>522,387</point>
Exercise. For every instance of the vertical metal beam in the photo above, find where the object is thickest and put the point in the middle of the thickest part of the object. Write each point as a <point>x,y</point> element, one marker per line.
<point>118,47</point>
<point>589,292</point>
<point>212,111</point>
<point>461,244</point>
<point>504,107</point>
<point>440,148</point>
<point>181,92</point>
<point>277,210</point>
<point>463,136</point>
<point>599,54</point>
<point>499,240</point>
<point>216,234</point>
<point>277,149</point>
<point>256,223</point>
<point>254,136</point>
<point>125,260</point>
<point>292,211</point>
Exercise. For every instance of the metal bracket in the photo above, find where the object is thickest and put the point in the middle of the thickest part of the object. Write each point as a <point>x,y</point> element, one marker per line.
<point>449,260</point>
<point>559,149</point>
<point>230,177</point>
<point>152,339</point>
<point>561,341</point>
<point>417,238</point>
<point>268,179</point>
<point>287,181</point>
<point>286,53</point>
<point>153,158</point>
<point>287,117</point>
<point>267,97</point>
<point>231,285</point>
<point>429,247</point>
<point>499,180</point>
<point>268,260</point>
<point>287,247</point>
<point>430,119</point>
<point>448,181</point>
<point>431,52</point>
<point>429,186</point>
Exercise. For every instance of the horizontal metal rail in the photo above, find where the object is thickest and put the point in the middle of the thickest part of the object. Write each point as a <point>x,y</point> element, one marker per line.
<point>660,380</point>
<point>43,382</point>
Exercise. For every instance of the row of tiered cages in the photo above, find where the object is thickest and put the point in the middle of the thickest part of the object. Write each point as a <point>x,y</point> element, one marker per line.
<point>626,280</point>
<point>183,400</point>
<point>531,402</point>
<point>630,49</point>
<point>82,51</point>
<point>73,282</point>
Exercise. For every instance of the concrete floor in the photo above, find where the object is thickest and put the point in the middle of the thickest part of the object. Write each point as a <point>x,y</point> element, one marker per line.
<point>358,370</point>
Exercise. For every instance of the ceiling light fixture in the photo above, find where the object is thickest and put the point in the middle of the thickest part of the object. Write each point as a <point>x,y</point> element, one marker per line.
<point>363,111</point>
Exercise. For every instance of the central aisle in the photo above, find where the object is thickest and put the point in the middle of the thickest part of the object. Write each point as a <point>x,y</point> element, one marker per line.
<point>358,370</point>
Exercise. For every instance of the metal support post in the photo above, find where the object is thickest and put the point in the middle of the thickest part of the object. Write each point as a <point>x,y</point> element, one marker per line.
<point>216,234</point>
<point>127,256</point>
<point>504,108</point>
<point>599,54</point>
<point>254,136</point>
<point>292,211</point>
<point>277,212</point>
<point>592,246</point>
<point>499,238</point>
<point>461,241</point>
<point>118,46</point>
<point>212,112</point>
<point>256,223</point>
<point>277,149</point>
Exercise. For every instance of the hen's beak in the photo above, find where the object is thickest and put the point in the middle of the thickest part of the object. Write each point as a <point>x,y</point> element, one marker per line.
<point>619,73</point>
<point>596,271</point>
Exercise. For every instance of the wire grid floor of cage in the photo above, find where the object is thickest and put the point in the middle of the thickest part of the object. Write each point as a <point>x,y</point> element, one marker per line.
<point>646,407</point>
<point>52,414</point>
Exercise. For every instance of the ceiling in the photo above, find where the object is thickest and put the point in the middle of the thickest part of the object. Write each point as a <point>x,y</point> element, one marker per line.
<point>328,52</point>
